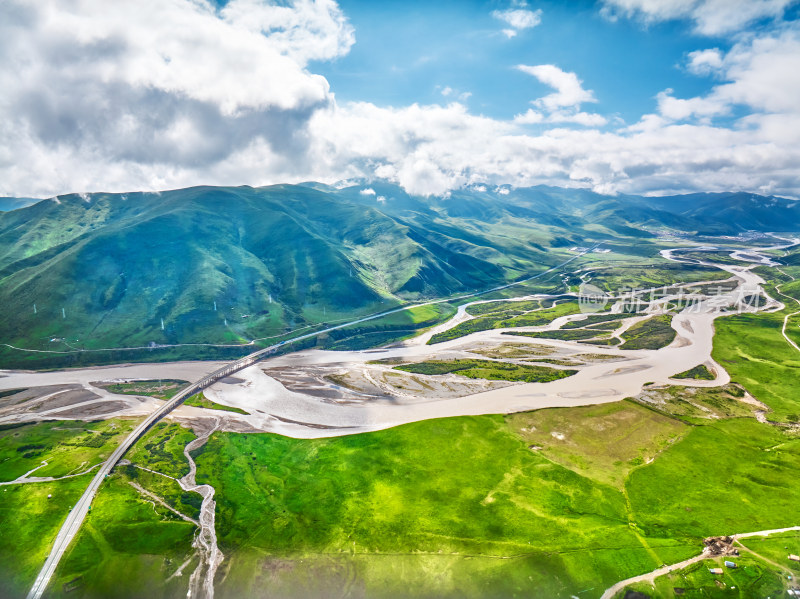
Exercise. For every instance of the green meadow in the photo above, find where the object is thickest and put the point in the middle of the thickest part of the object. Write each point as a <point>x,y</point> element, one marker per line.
<point>199,400</point>
<point>506,315</point>
<point>30,517</point>
<point>67,446</point>
<point>488,369</point>
<point>31,513</point>
<point>653,333</point>
<point>555,502</point>
<point>751,348</point>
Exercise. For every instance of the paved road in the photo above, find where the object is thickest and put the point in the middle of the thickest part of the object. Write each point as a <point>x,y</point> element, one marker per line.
<point>72,524</point>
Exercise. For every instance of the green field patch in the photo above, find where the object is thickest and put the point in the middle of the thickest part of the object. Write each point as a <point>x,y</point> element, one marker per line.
<point>30,521</point>
<point>753,351</point>
<point>777,548</point>
<point>597,320</point>
<point>652,275</point>
<point>699,372</point>
<point>67,446</point>
<point>510,319</point>
<point>698,405</point>
<point>715,257</point>
<point>168,489</point>
<point>729,476</point>
<point>507,308</point>
<point>386,329</point>
<point>161,449</point>
<point>563,335</point>
<point>605,342</point>
<point>487,369</point>
<point>653,333</point>
<point>160,389</point>
<point>128,547</point>
<point>714,288</point>
<point>199,400</point>
<point>398,511</point>
<point>603,442</point>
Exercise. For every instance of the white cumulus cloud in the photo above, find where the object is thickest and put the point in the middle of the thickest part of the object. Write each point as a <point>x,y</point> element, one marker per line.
<point>154,94</point>
<point>710,17</point>
<point>705,62</point>
<point>518,19</point>
<point>569,89</point>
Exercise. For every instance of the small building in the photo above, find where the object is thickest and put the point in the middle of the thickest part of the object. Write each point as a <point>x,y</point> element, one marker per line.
<point>729,564</point>
<point>794,558</point>
<point>715,570</point>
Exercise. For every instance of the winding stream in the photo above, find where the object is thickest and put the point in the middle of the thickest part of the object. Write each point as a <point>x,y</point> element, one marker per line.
<point>201,583</point>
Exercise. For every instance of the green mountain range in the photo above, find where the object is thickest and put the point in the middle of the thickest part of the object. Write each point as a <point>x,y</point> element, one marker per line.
<point>229,265</point>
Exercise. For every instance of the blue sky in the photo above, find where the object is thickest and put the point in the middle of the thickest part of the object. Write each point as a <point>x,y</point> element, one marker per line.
<point>618,96</point>
<point>407,52</point>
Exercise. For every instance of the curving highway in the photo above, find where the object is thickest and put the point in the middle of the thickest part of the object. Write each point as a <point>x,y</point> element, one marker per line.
<point>72,524</point>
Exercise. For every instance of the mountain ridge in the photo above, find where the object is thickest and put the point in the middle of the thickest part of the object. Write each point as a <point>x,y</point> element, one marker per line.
<point>212,264</point>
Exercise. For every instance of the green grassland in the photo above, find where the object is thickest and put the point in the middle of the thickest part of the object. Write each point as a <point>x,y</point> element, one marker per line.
<point>597,321</point>
<point>620,489</point>
<point>161,389</point>
<point>164,487</point>
<point>562,334</point>
<point>488,369</point>
<point>699,372</point>
<point>696,405</point>
<point>508,314</point>
<point>603,442</point>
<point>720,257</point>
<point>28,518</point>
<point>507,308</point>
<point>751,348</point>
<point>199,400</point>
<point>162,449</point>
<point>653,333</point>
<point>404,494</point>
<point>387,329</point>
<point>128,547</point>
<point>30,521</point>
<point>777,548</point>
<point>655,273</point>
<point>725,477</point>
<point>67,446</point>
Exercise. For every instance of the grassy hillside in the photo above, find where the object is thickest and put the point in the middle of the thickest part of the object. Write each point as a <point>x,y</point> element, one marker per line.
<point>231,265</point>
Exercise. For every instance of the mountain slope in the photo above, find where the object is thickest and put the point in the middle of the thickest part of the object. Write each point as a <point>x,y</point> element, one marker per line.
<point>232,264</point>
<point>219,265</point>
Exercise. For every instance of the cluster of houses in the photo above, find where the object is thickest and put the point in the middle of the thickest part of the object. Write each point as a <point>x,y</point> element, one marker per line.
<point>732,565</point>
